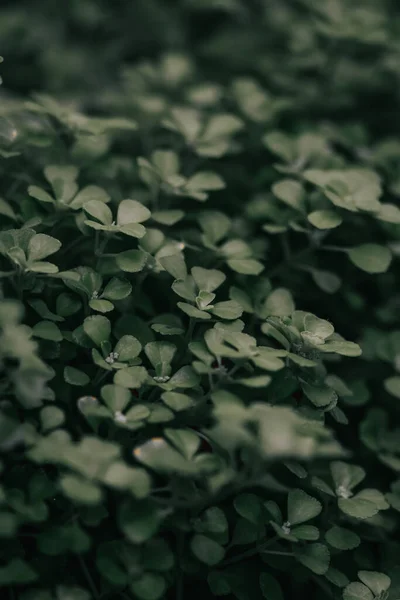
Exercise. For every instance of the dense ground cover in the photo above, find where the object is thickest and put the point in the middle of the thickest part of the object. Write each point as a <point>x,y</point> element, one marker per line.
<point>199,299</point>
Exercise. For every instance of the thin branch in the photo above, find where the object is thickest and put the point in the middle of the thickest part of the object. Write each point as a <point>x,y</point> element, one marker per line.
<point>249,553</point>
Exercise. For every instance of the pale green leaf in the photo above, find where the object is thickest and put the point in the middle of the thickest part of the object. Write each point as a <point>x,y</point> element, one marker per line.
<point>371,258</point>
<point>302,507</point>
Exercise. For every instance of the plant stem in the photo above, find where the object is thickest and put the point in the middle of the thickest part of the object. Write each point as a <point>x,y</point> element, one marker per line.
<point>188,337</point>
<point>101,375</point>
<point>88,577</point>
<point>100,249</point>
<point>289,263</point>
<point>333,248</point>
<point>236,368</point>
<point>277,552</point>
<point>324,586</point>
<point>179,578</point>
<point>286,248</point>
<point>249,553</point>
<point>72,244</point>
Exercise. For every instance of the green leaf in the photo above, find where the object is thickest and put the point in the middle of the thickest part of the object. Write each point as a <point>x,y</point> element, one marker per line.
<point>167,217</point>
<point>341,347</point>
<point>158,455</point>
<point>47,330</point>
<point>306,532</point>
<point>149,586</point>
<point>363,505</point>
<point>214,224</point>
<point>377,582</point>
<point>72,593</point>
<point>319,327</point>
<point>17,571</point>
<point>325,219</point>
<point>392,385</point>
<point>319,395</point>
<point>102,306</point>
<point>138,412</point>
<point>213,520</point>
<point>302,507</point>
<point>175,265</point>
<point>99,211</point>
<point>80,490</point>
<point>40,194</point>
<point>88,194</point>
<point>290,192</point>
<point>122,477</point>
<point>67,305</point>
<point>389,213</point>
<point>135,230</point>
<point>185,440</point>
<point>157,556</point>
<point>131,377</point>
<point>270,588</point>
<point>315,557</point>
<point>207,181</point>
<point>42,245</point>
<point>207,280</point>
<point>177,401</point>
<point>117,289</point>
<point>160,354</point>
<point>131,211</point>
<point>328,282</point>
<point>74,376</point>
<point>229,310</point>
<point>337,577</point>
<point>193,312</point>
<point>98,328</point>
<point>279,303</point>
<point>116,397</point>
<point>185,288</point>
<point>131,261</point>
<point>357,591</point>
<point>255,382</point>
<point>346,476</point>
<point>43,310</point>
<point>341,538</point>
<point>218,584</point>
<point>185,377</point>
<point>51,417</point>
<point>249,507</point>
<point>245,532</point>
<point>246,266</point>
<point>371,258</point>
<point>127,348</point>
<point>43,267</point>
<point>206,550</point>
<point>139,520</point>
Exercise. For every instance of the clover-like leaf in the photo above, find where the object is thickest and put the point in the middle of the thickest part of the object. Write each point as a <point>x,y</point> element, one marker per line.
<point>207,280</point>
<point>324,219</point>
<point>371,258</point>
<point>302,507</point>
<point>127,348</point>
<point>342,539</point>
<point>315,557</point>
<point>41,245</point>
<point>206,550</point>
<point>132,211</point>
<point>97,328</point>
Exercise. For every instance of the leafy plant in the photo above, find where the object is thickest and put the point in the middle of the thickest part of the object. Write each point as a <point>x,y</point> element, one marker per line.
<point>199,324</point>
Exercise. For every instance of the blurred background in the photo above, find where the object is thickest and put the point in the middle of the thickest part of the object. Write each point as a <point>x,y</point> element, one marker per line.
<point>346,51</point>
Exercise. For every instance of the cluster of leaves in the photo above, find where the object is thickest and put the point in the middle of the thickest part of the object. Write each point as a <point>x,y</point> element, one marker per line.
<point>199,306</point>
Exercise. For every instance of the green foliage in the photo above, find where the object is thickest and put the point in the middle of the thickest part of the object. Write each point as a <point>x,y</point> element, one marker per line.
<point>199,306</point>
